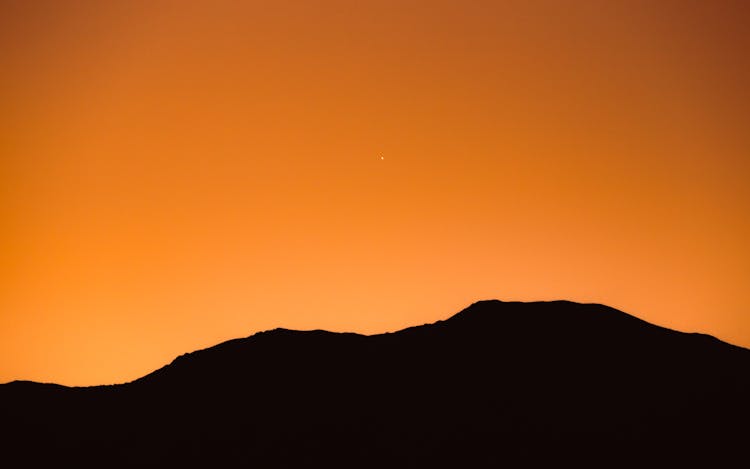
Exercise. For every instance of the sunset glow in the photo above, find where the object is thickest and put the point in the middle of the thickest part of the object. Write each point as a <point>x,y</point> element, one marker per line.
<point>179,173</point>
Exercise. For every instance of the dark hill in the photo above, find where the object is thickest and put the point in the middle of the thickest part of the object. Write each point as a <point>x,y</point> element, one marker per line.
<point>517,384</point>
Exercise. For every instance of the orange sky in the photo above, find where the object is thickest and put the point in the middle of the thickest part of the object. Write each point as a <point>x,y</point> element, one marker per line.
<point>175,174</point>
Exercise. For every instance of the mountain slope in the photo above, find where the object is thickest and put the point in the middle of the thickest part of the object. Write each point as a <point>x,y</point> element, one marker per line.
<point>498,383</point>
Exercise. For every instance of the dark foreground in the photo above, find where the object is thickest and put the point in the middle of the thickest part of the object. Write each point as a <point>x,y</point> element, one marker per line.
<point>498,384</point>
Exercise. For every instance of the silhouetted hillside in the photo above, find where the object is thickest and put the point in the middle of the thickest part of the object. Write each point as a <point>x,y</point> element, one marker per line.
<point>517,384</point>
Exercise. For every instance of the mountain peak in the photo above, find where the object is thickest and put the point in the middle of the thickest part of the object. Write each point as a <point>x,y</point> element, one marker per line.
<point>538,313</point>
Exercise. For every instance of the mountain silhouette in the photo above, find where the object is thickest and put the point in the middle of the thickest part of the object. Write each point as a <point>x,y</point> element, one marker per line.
<point>498,384</point>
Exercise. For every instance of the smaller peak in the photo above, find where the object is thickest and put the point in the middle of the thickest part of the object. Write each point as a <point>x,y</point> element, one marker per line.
<point>282,331</point>
<point>490,302</point>
<point>26,382</point>
<point>479,308</point>
<point>483,304</point>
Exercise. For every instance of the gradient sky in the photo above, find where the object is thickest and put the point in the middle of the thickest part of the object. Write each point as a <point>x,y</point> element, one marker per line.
<point>177,173</point>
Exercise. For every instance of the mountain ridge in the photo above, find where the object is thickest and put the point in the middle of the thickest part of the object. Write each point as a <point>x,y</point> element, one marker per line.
<point>497,382</point>
<point>470,312</point>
